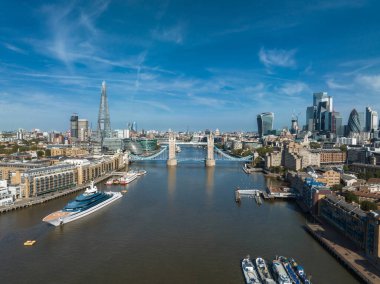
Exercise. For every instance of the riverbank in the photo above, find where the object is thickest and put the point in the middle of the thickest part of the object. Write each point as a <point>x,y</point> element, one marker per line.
<point>27,202</point>
<point>343,250</point>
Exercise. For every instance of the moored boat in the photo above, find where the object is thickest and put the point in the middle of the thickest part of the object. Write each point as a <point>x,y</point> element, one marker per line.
<point>280,273</point>
<point>249,272</point>
<point>128,178</point>
<point>293,276</point>
<point>263,271</point>
<point>298,269</point>
<point>84,204</point>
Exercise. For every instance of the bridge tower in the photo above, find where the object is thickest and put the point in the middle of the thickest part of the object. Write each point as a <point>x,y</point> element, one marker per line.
<point>210,161</point>
<point>172,161</point>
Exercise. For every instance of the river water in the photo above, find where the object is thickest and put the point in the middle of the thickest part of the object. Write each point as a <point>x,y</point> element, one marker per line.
<point>176,225</point>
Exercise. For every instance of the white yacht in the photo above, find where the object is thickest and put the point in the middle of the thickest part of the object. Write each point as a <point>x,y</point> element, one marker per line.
<point>249,272</point>
<point>263,271</point>
<point>280,272</point>
<point>84,204</point>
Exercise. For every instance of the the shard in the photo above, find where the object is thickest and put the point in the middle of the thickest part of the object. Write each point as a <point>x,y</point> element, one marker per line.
<point>104,123</point>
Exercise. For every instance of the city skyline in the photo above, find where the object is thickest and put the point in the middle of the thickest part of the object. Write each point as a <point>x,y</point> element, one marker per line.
<point>172,65</point>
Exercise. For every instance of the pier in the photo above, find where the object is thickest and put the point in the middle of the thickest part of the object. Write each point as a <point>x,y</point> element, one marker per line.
<point>257,194</point>
<point>45,198</point>
<point>346,253</point>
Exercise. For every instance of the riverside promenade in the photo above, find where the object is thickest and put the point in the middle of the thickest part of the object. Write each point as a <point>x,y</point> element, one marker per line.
<point>345,251</point>
<point>27,202</point>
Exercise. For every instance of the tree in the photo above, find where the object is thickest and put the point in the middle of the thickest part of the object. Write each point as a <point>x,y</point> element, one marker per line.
<point>40,153</point>
<point>262,151</point>
<point>343,148</point>
<point>368,205</point>
<point>315,145</point>
<point>346,168</point>
<point>47,152</point>
<point>337,187</point>
<point>351,197</point>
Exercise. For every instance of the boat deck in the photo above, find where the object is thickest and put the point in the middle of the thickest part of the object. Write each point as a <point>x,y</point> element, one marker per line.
<point>55,215</point>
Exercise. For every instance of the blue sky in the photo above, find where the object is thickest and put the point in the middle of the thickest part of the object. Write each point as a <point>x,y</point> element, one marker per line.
<point>184,64</point>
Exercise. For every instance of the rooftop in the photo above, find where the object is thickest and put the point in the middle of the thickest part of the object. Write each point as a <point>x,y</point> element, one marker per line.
<point>348,207</point>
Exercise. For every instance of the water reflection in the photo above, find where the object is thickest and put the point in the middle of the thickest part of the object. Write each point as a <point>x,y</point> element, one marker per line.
<point>210,181</point>
<point>172,174</point>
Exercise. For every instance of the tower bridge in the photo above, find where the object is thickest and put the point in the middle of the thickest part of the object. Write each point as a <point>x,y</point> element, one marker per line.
<point>168,153</point>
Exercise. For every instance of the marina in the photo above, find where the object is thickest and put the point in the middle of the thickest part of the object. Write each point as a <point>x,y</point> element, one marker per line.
<point>280,269</point>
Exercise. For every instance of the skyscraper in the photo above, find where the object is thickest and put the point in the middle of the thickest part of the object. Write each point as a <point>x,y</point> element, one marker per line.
<point>74,126</point>
<point>310,118</point>
<point>371,119</point>
<point>83,132</point>
<point>134,126</point>
<point>362,120</point>
<point>265,123</point>
<point>104,123</point>
<point>337,124</point>
<point>354,126</point>
<point>319,116</point>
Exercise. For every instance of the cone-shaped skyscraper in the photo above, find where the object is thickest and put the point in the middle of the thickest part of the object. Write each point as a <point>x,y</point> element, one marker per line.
<point>104,123</point>
<point>354,126</point>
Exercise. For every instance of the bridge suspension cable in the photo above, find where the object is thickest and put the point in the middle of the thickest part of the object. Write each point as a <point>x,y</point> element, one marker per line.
<point>232,158</point>
<point>147,158</point>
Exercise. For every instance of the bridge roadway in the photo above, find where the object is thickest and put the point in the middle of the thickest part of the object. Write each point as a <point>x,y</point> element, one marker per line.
<point>183,143</point>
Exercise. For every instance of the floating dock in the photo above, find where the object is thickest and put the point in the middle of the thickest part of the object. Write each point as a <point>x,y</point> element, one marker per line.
<point>257,194</point>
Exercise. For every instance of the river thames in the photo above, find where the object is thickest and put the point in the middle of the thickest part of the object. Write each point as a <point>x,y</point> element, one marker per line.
<point>175,225</point>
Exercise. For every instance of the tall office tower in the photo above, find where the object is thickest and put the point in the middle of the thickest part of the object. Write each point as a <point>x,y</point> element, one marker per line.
<point>104,123</point>
<point>322,97</point>
<point>319,116</point>
<point>83,132</point>
<point>353,126</point>
<point>371,119</point>
<point>265,123</point>
<point>310,118</point>
<point>74,126</point>
<point>324,105</point>
<point>337,124</point>
<point>294,128</point>
<point>134,126</point>
<point>362,121</point>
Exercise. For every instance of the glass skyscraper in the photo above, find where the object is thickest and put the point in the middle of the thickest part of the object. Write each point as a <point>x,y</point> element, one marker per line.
<point>319,116</point>
<point>354,126</point>
<point>371,119</point>
<point>265,123</point>
<point>74,126</point>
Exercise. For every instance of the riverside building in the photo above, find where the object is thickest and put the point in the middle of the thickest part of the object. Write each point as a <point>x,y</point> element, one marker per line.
<point>361,227</point>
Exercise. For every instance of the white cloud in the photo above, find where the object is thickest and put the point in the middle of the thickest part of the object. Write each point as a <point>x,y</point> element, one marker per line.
<point>292,89</point>
<point>277,57</point>
<point>370,81</point>
<point>332,84</point>
<point>172,34</point>
<point>14,48</point>
<point>205,101</point>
